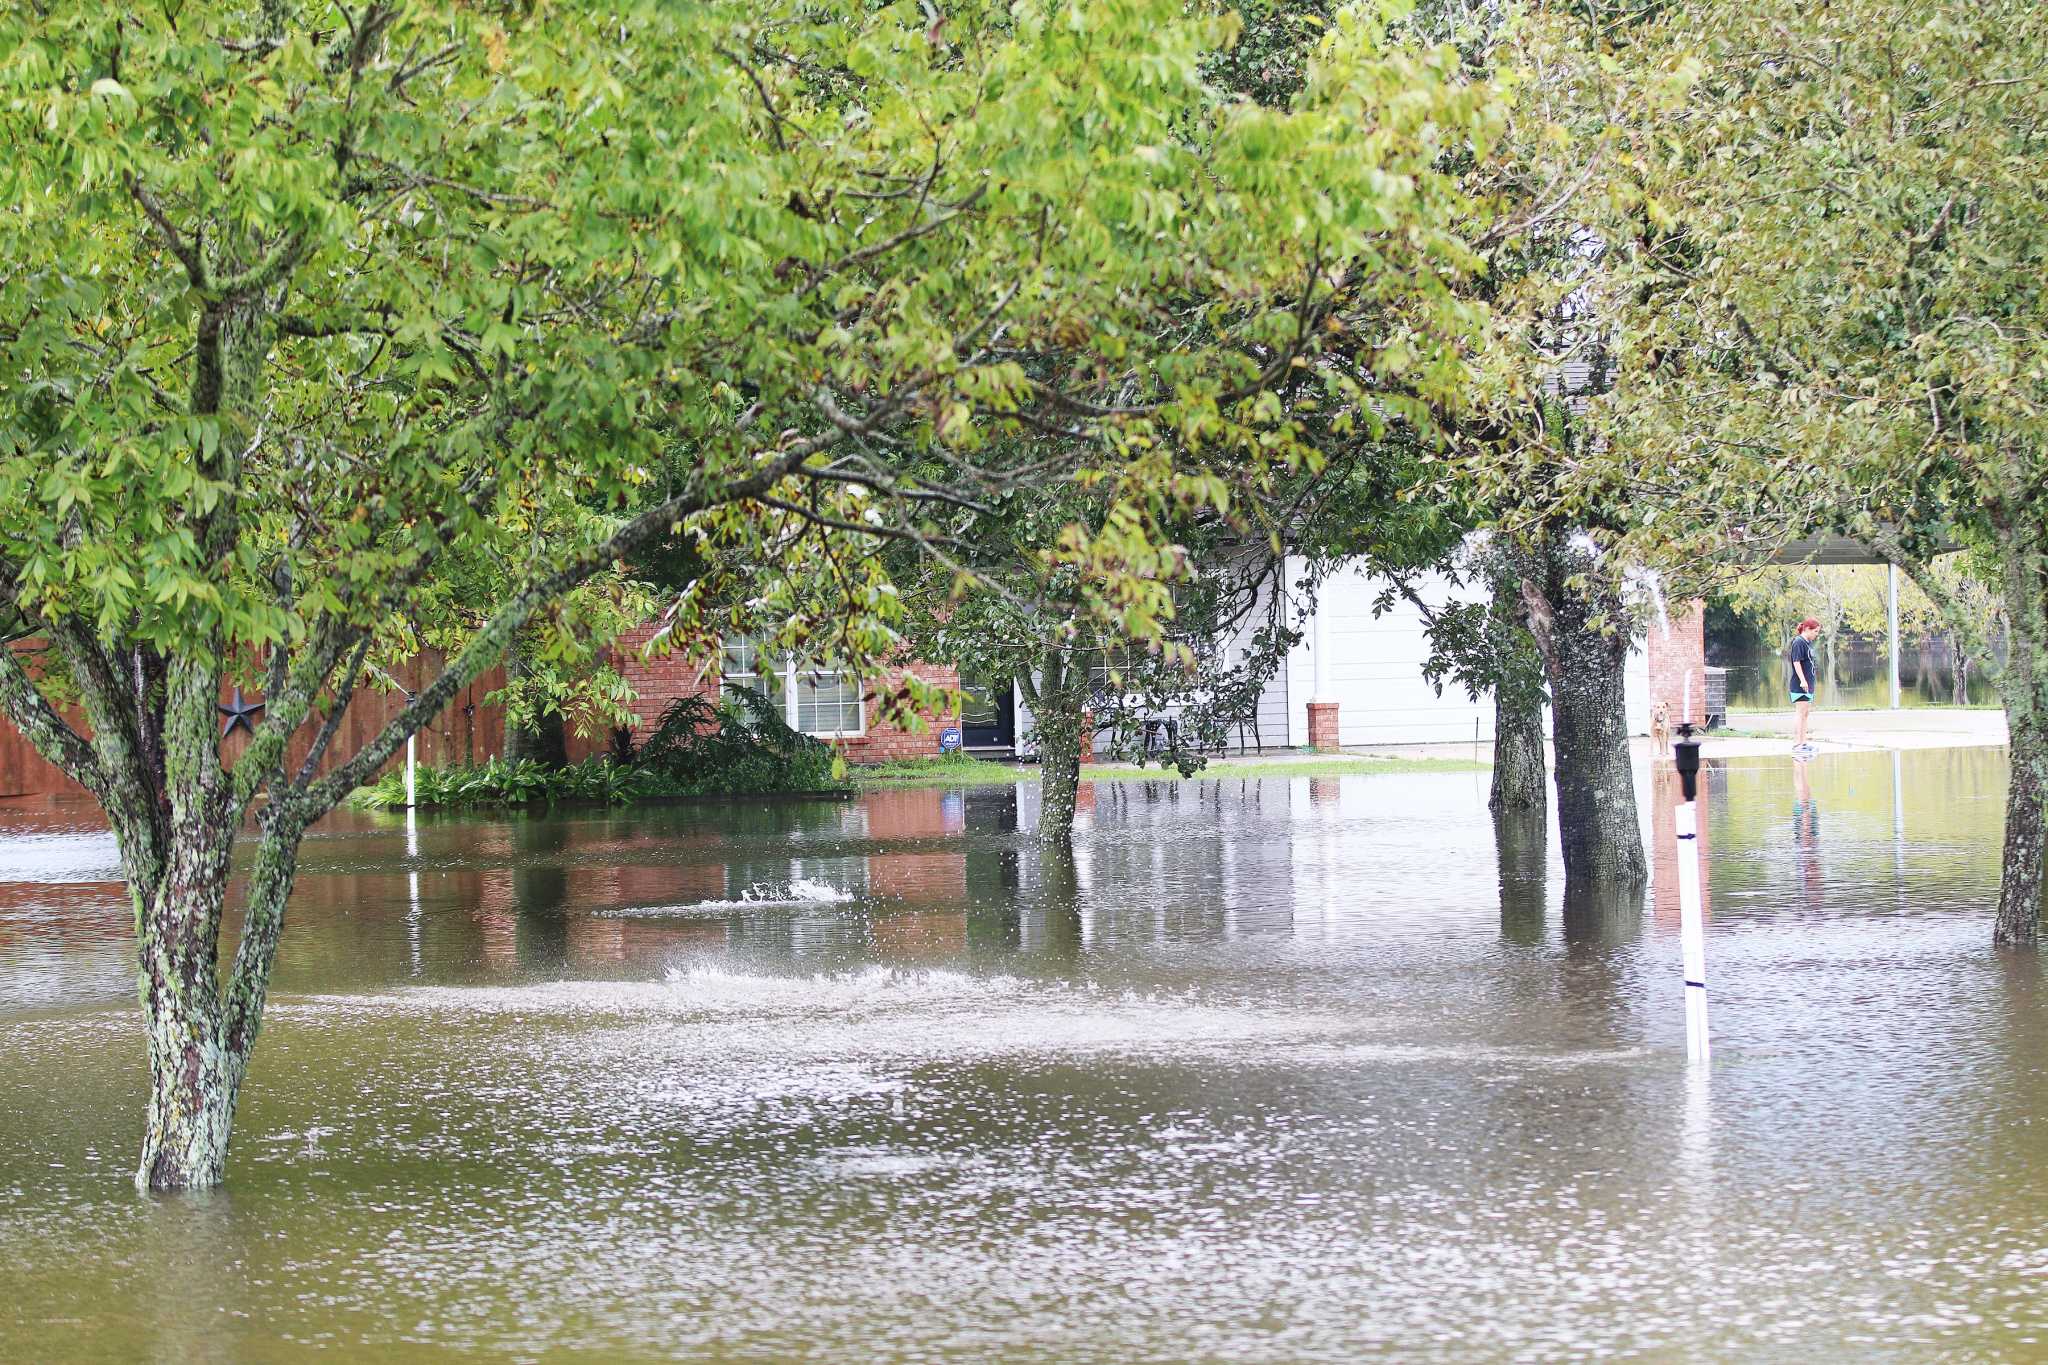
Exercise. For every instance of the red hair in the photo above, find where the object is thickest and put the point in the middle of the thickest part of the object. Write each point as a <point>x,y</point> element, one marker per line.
<point>1809,624</point>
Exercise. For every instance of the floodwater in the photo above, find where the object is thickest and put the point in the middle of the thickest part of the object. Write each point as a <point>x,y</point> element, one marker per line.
<point>1282,1070</point>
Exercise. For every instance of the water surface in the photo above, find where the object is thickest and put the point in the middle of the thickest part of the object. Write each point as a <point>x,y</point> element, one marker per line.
<point>1280,1070</point>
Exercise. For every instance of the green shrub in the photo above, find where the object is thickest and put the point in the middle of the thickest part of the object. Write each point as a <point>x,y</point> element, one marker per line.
<point>740,745</point>
<point>499,783</point>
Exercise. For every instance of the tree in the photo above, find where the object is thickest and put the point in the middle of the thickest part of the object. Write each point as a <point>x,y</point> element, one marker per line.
<point>298,303</point>
<point>1523,440</point>
<point>1008,605</point>
<point>1835,311</point>
<point>1485,647</point>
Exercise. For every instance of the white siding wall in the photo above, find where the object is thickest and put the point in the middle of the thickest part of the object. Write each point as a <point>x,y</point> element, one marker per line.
<point>1375,669</point>
<point>1636,687</point>
<point>1271,731</point>
<point>1376,676</point>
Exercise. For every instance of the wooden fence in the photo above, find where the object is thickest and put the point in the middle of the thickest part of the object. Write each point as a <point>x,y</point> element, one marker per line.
<point>468,731</point>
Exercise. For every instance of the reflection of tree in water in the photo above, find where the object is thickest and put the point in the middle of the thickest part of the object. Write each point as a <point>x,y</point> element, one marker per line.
<point>540,893</point>
<point>1057,907</point>
<point>1602,922</point>
<point>1521,842</point>
<point>211,1246</point>
<point>993,877</point>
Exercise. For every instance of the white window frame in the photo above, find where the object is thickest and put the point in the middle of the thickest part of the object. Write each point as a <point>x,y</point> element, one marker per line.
<point>790,671</point>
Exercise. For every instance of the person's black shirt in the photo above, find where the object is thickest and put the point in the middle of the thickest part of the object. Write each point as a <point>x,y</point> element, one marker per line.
<point>1798,657</point>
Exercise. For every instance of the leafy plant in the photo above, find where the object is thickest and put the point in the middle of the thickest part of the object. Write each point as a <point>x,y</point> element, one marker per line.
<point>740,744</point>
<point>515,783</point>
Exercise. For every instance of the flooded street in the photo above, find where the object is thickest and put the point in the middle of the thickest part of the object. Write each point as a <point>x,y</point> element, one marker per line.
<point>1271,1070</point>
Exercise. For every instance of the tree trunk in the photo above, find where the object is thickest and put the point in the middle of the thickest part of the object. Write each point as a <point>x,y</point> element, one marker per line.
<point>1059,718</point>
<point>1959,694</point>
<point>199,1039</point>
<point>2019,880</point>
<point>1518,759</point>
<point>191,1097</point>
<point>1596,799</point>
<point>542,737</point>
<point>1834,669</point>
<point>2023,687</point>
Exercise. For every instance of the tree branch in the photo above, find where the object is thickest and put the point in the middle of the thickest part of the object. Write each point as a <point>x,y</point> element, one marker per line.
<point>44,729</point>
<point>186,252</point>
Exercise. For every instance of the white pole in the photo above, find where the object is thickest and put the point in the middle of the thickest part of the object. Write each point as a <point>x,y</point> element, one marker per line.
<point>412,848</point>
<point>1891,624</point>
<point>1320,647</point>
<point>1692,932</point>
<point>1692,929</point>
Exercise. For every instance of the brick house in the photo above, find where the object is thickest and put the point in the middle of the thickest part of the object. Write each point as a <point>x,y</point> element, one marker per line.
<point>834,707</point>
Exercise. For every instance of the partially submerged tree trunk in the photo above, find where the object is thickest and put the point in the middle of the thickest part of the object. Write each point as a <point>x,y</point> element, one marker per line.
<point>1058,697</point>
<point>2019,881</point>
<point>1518,759</point>
<point>1567,603</point>
<point>2023,687</point>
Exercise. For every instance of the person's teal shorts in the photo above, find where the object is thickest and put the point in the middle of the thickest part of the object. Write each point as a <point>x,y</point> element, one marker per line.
<point>1802,696</point>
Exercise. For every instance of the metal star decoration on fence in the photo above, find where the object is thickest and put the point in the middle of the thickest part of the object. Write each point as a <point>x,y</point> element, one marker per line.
<point>238,712</point>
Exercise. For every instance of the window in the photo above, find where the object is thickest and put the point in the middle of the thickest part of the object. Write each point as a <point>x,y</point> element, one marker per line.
<point>827,703</point>
<point>817,701</point>
<point>744,666</point>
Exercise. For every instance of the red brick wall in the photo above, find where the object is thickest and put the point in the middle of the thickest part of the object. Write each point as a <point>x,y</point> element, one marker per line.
<point>660,682</point>
<point>1678,664</point>
<point>1322,727</point>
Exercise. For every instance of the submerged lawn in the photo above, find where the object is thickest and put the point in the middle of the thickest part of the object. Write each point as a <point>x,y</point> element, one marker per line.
<point>959,770</point>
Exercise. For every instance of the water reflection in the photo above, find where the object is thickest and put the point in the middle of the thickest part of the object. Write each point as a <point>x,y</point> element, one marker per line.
<point>1315,1070</point>
<point>1522,846</point>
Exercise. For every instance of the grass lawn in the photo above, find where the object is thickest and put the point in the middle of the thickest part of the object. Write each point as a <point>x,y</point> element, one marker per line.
<point>945,770</point>
<point>958,770</point>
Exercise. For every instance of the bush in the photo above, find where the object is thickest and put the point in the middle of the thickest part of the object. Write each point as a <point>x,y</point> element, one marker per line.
<point>739,746</point>
<point>499,783</point>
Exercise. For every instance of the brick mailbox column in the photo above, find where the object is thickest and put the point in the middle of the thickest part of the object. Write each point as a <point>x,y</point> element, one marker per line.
<point>1678,664</point>
<point>1322,726</point>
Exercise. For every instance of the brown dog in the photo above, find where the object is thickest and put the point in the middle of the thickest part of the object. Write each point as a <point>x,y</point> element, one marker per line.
<point>1660,728</point>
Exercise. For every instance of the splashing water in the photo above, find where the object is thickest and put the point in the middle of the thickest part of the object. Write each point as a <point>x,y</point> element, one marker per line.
<point>801,891</point>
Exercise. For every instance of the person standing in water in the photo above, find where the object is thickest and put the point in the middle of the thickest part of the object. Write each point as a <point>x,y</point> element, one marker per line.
<point>1799,667</point>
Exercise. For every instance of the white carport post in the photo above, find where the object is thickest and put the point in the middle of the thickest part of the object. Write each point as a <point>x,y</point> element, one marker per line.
<point>1319,647</point>
<point>1323,735</point>
<point>1891,625</point>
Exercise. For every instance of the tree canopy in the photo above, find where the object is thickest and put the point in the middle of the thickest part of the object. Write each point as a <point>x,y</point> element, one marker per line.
<point>312,314</point>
